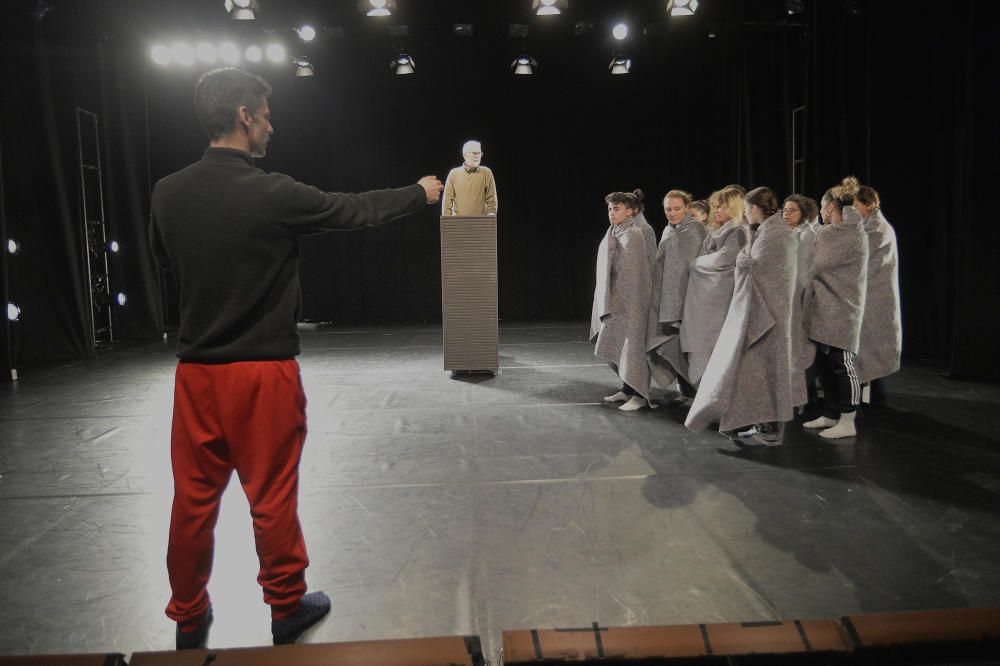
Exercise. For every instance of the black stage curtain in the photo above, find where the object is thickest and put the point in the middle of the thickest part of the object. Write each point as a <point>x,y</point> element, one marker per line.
<point>905,114</point>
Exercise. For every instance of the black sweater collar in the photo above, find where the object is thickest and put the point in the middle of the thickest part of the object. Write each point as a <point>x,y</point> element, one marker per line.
<point>224,154</point>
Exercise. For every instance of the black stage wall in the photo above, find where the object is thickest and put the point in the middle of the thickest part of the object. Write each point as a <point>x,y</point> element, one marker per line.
<point>893,93</point>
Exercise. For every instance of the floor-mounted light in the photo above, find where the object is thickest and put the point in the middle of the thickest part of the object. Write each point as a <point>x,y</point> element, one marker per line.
<point>113,247</point>
<point>620,31</point>
<point>306,33</point>
<point>121,299</point>
<point>254,53</point>
<point>549,7</point>
<point>13,247</point>
<point>13,312</point>
<point>160,54</point>
<point>276,53</point>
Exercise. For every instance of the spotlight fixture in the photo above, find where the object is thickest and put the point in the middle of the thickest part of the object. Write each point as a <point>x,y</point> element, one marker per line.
<point>794,7</point>
<point>254,53</point>
<point>160,54</point>
<point>182,53</point>
<point>306,33</point>
<point>620,65</point>
<point>229,53</point>
<point>377,7</point>
<point>303,67</point>
<point>121,299</point>
<point>549,7</point>
<point>403,64</point>
<point>242,10</point>
<point>206,52</point>
<point>620,31</point>
<point>13,247</point>
<point>524,64</point>
<point>682,7</point>
<point>13,312</point>
<point>276,53</point>
<point>113,247</point>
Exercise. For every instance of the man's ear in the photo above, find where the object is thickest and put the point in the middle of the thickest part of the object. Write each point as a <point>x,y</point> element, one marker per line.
<point>244,117</point>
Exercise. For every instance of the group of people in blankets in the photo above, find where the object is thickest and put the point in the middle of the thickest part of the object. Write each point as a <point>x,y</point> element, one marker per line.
<point>747,308</point>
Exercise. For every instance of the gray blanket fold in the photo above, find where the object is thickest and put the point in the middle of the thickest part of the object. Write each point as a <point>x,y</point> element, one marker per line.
<point>836,298</point>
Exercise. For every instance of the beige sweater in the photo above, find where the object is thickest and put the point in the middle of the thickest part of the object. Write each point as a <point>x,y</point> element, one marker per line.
<point>469,193</point>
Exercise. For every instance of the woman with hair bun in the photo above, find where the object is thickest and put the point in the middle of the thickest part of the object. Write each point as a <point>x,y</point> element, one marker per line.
<point>882,327</point>
<point>700,212</point>
<point>621,302</point>
<point>680,244</point>
<point>710,282</point>
<point>836,304</point>
<point>748,381</point>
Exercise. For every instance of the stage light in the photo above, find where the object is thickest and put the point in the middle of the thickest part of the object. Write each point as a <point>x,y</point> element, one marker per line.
<point>276,53</point>
<point>13,312</point>
<point>306,33</point>
<point>13,247</point>
<point>121,299</point>
<point>403,64</point>
<point>524,65</point>
<point>254,54</point>
<point>302,67</point>
<point>182,53</point>
<point>113,247</point>
<point>242,10</point>
<point>794,7</point>
<point>620,65</point>
<point>160,54</point>
<point>549,7</point>
<point>682,7</point>
<point>620,31</point>
<point>206,52</point>
<point>229,53</point>
<point>377,7</point>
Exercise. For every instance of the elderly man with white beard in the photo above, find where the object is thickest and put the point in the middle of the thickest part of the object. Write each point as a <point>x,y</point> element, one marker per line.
<point>470,190</point>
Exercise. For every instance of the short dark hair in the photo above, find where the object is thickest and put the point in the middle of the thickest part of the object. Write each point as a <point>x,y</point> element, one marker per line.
<point>627,199</point>
<point>221,92</point>
<point>806,205</point>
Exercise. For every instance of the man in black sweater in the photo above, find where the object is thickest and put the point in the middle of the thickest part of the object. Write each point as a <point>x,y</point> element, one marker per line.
<point>231,232</point>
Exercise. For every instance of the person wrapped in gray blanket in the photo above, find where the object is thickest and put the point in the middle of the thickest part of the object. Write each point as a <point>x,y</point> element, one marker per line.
<point>797,211</point>
<point>621,302</point>
<point>882,327</point>
<point>680,244</point>
<point>748,380</point>
<point>710,281</point>
<point>836,303</point>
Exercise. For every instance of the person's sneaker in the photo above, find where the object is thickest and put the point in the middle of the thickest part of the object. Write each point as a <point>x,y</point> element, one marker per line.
<point>637,402</point>
<point>749,432</point>
<point>197,639</point>
<point>617,397</point>
<point>821,422</point>
<point>312,608</point>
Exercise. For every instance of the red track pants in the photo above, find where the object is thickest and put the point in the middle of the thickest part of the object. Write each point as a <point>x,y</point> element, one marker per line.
<point>248,416</point>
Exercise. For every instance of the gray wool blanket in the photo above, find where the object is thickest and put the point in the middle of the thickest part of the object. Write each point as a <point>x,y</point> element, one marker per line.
<point>749,376</point>
<point>837,292</point>
<point>621,304</point>
<point>679,246</point>
<point>710,287</point>
<point>648,236</point>
<point>882,326</point>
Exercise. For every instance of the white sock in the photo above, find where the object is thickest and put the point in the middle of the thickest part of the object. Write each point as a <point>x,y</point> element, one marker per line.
<point>617,397</point>
<point>637,402</point>
<point>844,428</point>
<point>821,422</point>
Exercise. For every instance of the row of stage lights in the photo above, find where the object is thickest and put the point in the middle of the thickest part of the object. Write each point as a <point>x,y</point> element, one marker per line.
<point>14,311</point>
<point>228,53</point>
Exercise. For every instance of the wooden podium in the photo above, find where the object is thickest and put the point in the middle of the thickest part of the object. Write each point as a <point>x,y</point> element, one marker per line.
<point>469,294</point>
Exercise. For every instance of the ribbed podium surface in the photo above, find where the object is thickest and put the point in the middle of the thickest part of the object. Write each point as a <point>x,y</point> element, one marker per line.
<point>469,293</point>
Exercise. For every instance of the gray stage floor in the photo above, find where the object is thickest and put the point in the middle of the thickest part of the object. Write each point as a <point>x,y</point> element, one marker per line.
<point>438,506</point>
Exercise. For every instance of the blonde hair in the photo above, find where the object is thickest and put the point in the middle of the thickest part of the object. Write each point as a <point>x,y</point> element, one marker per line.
<point>730,198</point>
<point>678,194</point>
<point>843,194</point>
